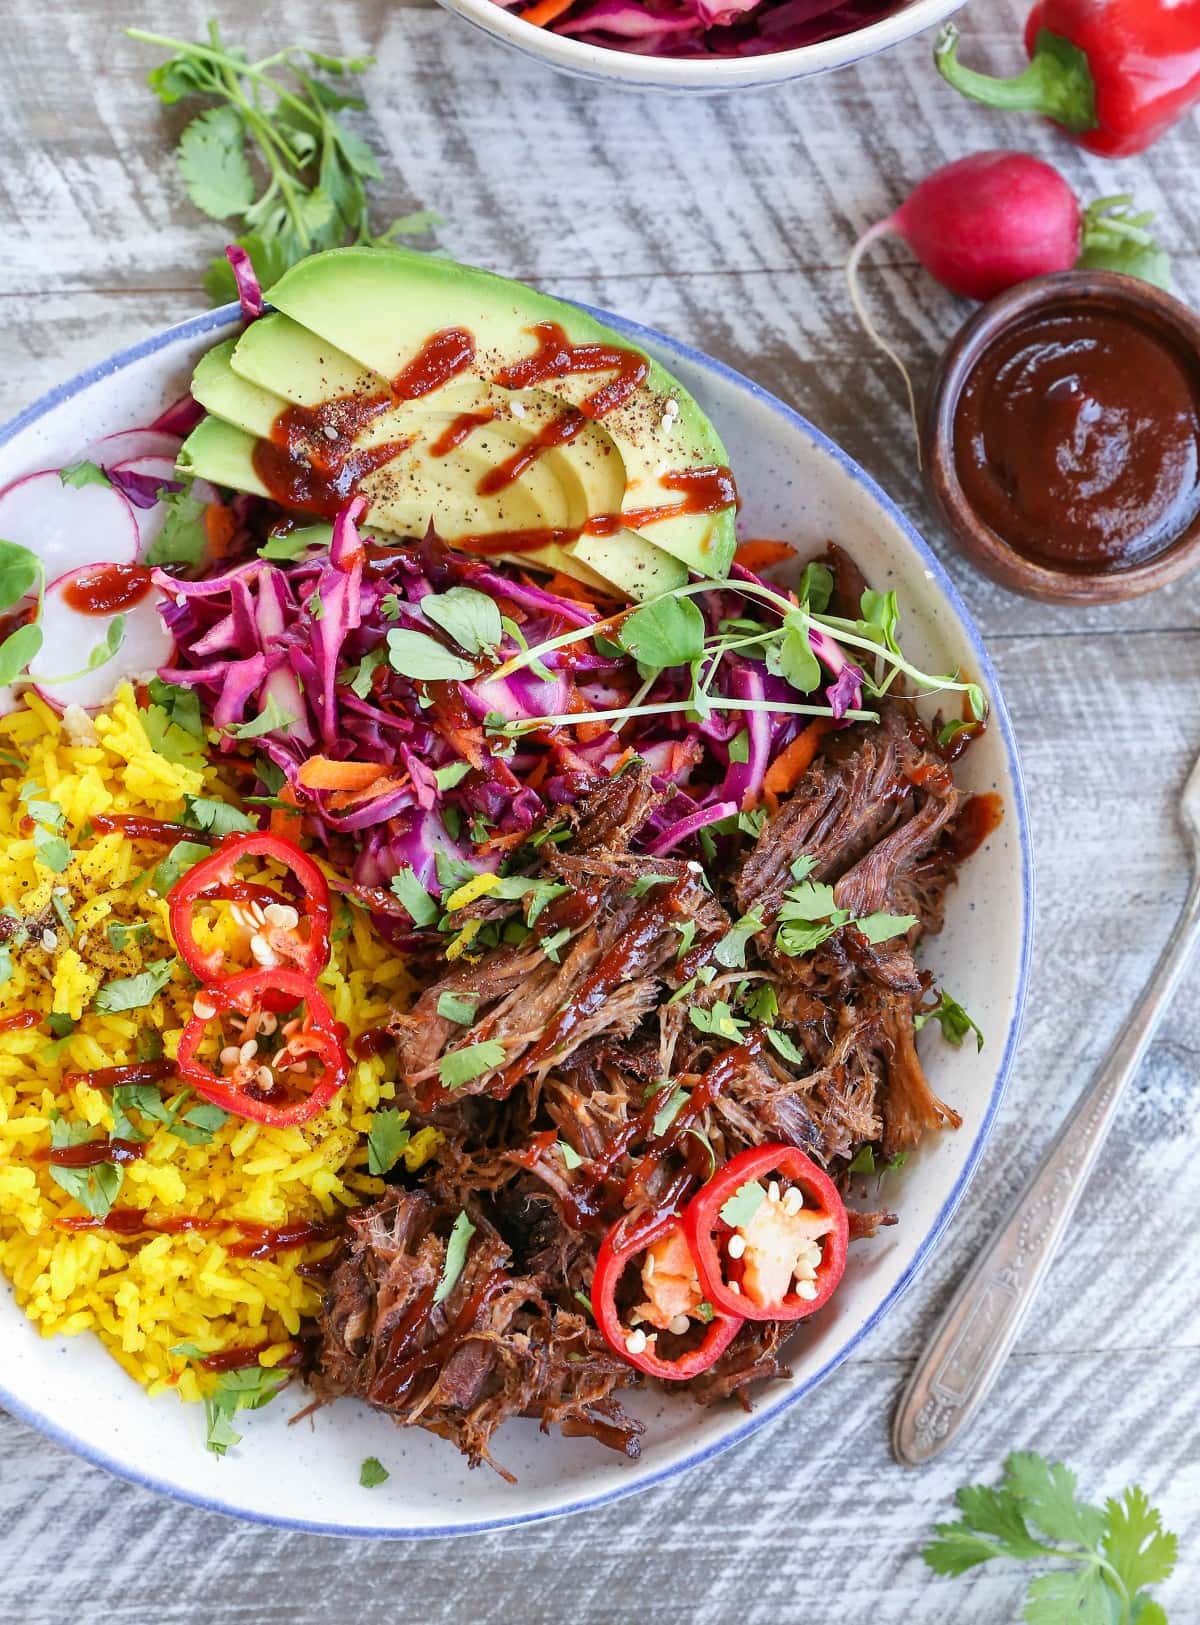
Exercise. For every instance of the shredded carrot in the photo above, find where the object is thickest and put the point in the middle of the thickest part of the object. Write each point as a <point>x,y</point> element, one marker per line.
<point>323,773</point>
<point>576,592</point>
<point>286,824</point>
<point>545,12</point>
<point>341,799</point>
<point>789,767</point>
<point>761,555</point>
<point>220,528</point>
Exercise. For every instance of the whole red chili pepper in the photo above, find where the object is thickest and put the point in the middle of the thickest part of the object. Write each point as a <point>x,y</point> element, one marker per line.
<point>1115,74</point>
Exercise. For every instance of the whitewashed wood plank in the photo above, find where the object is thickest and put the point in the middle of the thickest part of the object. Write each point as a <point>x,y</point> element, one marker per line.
<point>808,1522</point>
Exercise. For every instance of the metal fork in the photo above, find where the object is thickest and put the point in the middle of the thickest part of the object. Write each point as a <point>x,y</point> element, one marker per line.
<point>965,1354</point>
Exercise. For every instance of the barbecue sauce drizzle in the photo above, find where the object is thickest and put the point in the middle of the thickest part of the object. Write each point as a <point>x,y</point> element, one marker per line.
<point>311,459</point>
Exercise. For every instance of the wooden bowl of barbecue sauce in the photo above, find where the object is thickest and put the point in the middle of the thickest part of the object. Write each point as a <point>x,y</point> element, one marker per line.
<point>1062,438</point>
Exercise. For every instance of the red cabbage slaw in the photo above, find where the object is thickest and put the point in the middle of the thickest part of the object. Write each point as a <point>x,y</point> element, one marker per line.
<point>702,28</point>
<point>290,661</point>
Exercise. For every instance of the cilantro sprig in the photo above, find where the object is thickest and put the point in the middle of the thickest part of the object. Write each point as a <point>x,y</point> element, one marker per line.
<point>1106,1557</point>
<point>273,152</point>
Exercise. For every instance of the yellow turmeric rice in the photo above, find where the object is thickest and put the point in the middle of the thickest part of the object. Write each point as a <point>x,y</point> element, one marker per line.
<point>146,1295</point>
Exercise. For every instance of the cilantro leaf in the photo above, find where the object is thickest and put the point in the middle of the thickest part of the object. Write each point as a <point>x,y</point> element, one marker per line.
<point>450,775</point>
<point>420,906</point>
<point>51,850</point>
<point>883,927</point>
<point>570,1156</point>
<point>1035,1515</point>
<point>135,992</point>
<point>183,537</point>
<point>731,950</point>
<point>739,1209</point>
<point>271,719</point>
<point>952,1019</point>
<point>212,161</point>
<point>94,1188</point>
<point>83,473</point>
<point>173,724</point>
<point>552,945</point>
<point>1135,1542</point>
<point>247,1389</point>
<point>199,1125</point>
<point>372,1473</point>
<point>456,1257</point>
<point>386,1140</point>
<point>719,1021</point>
<point>787,1047</point>
<point>184,855</point>
<point>669,1111</point>
<point>361,682</point>
<point>460,1066</point>
<point>216,816</point>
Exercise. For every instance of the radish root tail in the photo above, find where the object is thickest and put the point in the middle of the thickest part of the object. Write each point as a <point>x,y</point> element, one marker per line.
<point>868,238</point>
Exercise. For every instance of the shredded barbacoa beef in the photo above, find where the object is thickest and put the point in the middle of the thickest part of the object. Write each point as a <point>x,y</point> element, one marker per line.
<point>597,1036</point>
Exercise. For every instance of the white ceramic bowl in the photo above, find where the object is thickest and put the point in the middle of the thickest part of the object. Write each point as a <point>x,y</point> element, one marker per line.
<point>701,75</point>
<point>796,484</point>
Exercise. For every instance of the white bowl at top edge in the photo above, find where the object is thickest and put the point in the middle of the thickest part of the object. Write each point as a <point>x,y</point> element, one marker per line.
<point>702,75</point>
<point>795,484</point>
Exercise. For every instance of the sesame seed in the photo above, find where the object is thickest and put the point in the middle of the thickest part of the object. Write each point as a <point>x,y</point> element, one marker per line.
<point>49,940</point>
<point>518,408</point>
<point>265,1078</point>
<point>773,1191</point>
<point>736,1245</point>
<point>635,1343</point>
<point>267,1023</point>
<point>230,1055</point>
<point>793,1200</point>
<point>806,1290</point>
<point>202,1009</point>
<point>330,432</point>
<point>248,1050</point>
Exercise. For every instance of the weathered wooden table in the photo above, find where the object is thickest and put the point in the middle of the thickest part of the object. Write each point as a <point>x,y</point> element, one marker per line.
<point>723,222</point>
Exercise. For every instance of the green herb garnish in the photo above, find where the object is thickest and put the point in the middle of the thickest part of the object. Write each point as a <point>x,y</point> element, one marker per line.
<point>456,1257</point>
<point>1110,1555</point>
<point>386,1140</point>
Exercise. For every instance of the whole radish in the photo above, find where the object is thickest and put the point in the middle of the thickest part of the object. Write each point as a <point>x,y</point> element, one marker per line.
<point>985,223</point>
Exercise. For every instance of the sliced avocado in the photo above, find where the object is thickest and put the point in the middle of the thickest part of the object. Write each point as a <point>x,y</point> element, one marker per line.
<point>634,567</point>
<point>381,306</point>
<point>223,393</point>
<point>222,454</point>
<point>278,354</point>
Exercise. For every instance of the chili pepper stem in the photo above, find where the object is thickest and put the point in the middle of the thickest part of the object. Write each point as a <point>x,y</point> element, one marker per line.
<point>1058,82</point>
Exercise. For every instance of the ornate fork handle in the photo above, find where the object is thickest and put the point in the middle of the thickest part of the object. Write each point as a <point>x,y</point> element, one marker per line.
<point>965,1354</point>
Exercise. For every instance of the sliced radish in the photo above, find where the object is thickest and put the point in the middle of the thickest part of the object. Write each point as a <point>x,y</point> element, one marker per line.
<point>68,526</point>
<point>129,443</point>
<point>72,633</point>
<point>157,472</point>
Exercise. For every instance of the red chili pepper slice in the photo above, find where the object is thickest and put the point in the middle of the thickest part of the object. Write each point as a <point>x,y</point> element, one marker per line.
<point>291,1094</point>
<point>215,880</point>
<point>777,1240</point>
<point>621,1246</point>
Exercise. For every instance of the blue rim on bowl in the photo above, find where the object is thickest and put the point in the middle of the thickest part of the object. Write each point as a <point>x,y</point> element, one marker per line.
<point>768,1409</point>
